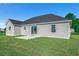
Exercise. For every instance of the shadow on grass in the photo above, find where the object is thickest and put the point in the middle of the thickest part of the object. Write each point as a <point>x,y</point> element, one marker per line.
<point>76,33</point>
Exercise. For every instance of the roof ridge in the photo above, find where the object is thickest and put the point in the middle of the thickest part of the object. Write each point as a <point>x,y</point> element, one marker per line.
<point>14,20</point>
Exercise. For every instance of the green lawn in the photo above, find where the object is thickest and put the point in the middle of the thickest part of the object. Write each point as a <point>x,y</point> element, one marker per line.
<point>2,33</point>
<point>39,46</point>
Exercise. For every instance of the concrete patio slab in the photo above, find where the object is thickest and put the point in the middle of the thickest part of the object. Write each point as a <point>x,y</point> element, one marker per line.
<point>27,37</point>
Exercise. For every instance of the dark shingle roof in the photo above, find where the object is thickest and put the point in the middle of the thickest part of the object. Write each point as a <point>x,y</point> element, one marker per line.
<point>16,21</point>
<point>40,19</point>
<point>44,18</point>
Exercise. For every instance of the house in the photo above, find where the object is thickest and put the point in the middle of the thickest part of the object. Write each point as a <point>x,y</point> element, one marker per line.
<point>48,25</point>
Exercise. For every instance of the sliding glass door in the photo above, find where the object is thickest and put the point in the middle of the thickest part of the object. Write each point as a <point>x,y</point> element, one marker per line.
<point>34,29</point>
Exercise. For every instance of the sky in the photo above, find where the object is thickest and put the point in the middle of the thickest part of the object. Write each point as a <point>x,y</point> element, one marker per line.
<point>24,11</point>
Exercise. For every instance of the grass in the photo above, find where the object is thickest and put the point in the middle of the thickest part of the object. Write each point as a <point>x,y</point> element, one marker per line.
<point>10,46</point>
<point>2,33</point>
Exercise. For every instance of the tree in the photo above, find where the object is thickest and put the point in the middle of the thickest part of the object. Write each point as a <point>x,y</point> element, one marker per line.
<point>76,25</point>
<point>75,21</point>
<point>4,29</point>
<point>0,29</point>
<point>70,16</point>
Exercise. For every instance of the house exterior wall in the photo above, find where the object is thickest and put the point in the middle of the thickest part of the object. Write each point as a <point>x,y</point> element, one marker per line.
<point>62,30</point>
<point>26,32</point>
<point>9,32</point>
<point>44,30</point>
<point>17,30</point>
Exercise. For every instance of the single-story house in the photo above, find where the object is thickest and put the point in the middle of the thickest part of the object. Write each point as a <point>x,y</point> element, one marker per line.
<point>48,25</point>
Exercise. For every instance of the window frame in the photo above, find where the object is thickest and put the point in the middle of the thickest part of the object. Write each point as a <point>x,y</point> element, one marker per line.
<point>9,28</point>
<point>34,29</point>
<point>53,28</point>
<point>24,27</point>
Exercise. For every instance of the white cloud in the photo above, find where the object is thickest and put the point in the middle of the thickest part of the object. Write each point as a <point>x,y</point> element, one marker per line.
<point>2,25</point>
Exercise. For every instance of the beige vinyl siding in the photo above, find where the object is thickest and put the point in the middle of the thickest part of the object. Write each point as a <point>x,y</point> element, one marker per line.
<point>62,30</point>
<point>10,32</point>
<point>17,30</point>
<point>43,29</point>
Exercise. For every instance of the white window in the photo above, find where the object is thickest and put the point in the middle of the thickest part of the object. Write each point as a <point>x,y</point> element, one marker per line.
<point>9,28</point>
<point>24,28</point>
<point>53,28</point>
